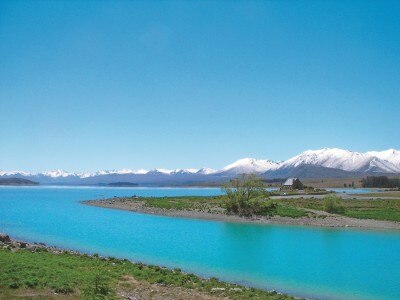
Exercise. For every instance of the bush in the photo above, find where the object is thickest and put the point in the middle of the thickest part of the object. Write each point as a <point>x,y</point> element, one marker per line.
<point>333,204</point>
<point>246,196</point>
<point>257,206</point>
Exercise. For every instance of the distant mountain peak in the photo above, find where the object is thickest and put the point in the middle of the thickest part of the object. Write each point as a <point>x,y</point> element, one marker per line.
<point>206,171</point>
<point>57,173</point>
<point>249,165</point>
<point>329,160</point>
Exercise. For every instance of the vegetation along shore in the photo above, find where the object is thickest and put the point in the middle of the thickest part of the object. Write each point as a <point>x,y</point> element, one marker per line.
<point>37,271</point>
<point>246,200</point>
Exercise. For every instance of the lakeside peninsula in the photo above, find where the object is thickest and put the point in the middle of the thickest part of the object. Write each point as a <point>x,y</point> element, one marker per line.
<point>17,182</point>
<point>246,199</point>
<point>361,213</point>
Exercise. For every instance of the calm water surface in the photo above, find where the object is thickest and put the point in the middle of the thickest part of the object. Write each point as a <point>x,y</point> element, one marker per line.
<point>321,263</point>
<point>351,191</point>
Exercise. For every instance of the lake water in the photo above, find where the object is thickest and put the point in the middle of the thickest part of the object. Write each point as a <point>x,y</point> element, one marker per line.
<point>313,262</point>
<point>351,191</point>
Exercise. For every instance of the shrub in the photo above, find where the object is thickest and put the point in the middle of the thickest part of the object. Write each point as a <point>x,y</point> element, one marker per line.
<point>246,196</point>
<point>333,204</point>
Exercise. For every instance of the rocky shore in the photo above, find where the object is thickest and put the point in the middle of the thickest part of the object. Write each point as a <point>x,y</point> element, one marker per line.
<point>316,218</point>
<point>6,242</point>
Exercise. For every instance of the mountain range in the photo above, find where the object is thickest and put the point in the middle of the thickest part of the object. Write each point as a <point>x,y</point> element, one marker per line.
<point>327,162</point>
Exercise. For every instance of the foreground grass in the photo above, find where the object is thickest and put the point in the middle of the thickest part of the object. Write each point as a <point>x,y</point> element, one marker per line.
<point>387,210</point>
<point>98,278</point>
<point>212,205</point>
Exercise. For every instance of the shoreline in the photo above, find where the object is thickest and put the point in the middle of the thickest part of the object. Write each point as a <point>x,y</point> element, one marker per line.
<point>138,288</point>
<point>321,220</point>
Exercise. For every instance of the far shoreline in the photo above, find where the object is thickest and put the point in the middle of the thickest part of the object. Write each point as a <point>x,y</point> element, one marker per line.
<point>327,221</point>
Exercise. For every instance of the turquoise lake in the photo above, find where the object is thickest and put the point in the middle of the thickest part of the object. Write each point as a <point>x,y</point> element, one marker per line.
<point>303,261</point>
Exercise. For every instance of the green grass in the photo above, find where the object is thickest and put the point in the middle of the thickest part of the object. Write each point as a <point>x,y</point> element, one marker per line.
<point>289,211</point>
<point>382,194</point>
<point>210,204</point>
<point>380,209</point>
<point>75,274</point>
<point>388,210</point>
<point>183,203</point>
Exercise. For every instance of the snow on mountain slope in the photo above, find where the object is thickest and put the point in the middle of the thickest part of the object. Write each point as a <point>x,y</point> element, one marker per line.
<point>160,171</point>
<point>57,173</point>
<point>206,171</point>
<point>381,165</point>
<point>390,155</point>
<point>15,173</point>
<point>330,158</point>
<point>343,160</point>
<point>249,166</point>
<point>387,161</point>
<point>185,171</point>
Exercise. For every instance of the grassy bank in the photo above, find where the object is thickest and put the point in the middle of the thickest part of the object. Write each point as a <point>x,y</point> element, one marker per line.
<point>41,273</point>
<point>387,210</point>
<point>382,209</point>
<point>212,205</point>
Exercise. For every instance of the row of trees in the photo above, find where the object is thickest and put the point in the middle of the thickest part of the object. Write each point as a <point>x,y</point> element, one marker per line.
<point>380,182</point>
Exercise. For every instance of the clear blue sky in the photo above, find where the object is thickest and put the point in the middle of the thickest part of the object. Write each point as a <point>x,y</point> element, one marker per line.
<point>87,85</point>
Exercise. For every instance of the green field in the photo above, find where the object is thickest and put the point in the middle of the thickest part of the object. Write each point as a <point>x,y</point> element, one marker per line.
<point>394,194</point>
<point>388,210</point>
<point>91,277</point>
<point>184,203</point>
<point>381,209</point>
<point>212,205</point>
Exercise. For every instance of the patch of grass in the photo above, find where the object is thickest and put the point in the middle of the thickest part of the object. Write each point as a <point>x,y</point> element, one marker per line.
<point>183,203</point>
<point>211,204</point>
<point>83,275</point>
<point>289,211</point>
<point>377,214</point>
<point>393,194</point>
<point>379,209</point>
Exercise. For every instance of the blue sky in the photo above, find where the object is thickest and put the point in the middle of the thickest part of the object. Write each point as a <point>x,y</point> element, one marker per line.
<point>87,85</point>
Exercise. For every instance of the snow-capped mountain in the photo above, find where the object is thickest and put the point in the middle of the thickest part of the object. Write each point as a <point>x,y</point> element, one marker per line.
<point>58,173</point>
<point>390,155</point>
<point>327,162</point>
<point>14,173</point>
<point>248,166</point>
<point>206,171</point>
<point>346,160</point>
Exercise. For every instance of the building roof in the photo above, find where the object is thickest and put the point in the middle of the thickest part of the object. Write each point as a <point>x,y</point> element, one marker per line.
<point>290,181</point>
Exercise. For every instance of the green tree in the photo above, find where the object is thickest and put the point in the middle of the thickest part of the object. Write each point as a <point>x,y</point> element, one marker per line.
<point>246,195</point>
